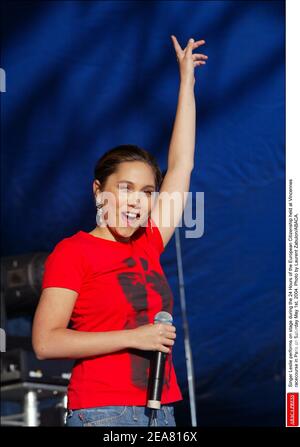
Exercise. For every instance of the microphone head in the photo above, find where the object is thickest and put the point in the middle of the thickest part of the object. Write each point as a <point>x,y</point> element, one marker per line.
<point>163,317</point>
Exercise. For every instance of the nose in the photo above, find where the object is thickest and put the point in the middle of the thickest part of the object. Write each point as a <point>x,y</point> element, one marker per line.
<point>133,199</point>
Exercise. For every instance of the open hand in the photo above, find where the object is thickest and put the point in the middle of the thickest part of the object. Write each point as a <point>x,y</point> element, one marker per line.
<point>187,60</point>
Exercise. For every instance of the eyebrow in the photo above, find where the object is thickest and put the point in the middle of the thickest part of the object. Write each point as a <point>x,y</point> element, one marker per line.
<point>128,181</point>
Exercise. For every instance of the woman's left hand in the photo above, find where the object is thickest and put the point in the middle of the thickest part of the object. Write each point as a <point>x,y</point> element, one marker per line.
<point>187,60</point>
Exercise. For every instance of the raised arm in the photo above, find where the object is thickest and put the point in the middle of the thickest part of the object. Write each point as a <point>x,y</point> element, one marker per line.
<point>172,197</point>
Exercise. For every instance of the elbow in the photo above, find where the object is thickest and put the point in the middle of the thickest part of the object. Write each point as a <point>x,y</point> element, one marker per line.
<point>41,356</point>
<point>40,349</point>
<point>181,167</point>
<point>40,353</point>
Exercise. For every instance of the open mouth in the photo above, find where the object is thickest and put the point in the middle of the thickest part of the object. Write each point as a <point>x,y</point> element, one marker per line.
<point>130,218</point>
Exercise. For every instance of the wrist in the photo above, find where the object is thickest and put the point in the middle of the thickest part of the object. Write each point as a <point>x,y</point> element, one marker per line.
<point>187,83</point>
<point>130,338</point>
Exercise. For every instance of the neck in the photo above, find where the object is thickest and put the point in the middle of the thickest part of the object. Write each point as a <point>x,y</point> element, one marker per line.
<point>106,233</point>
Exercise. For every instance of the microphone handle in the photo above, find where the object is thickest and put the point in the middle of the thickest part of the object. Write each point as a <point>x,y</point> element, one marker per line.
<point>157,380</point>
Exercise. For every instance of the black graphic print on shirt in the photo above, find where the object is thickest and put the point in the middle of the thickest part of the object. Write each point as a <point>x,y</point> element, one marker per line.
<point>135,290</point>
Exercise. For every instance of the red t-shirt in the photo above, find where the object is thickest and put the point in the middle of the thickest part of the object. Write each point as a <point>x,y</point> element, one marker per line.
<point>120,285</point>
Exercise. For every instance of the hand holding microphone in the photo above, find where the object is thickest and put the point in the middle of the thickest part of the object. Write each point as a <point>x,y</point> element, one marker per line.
<point>159,336</point>
<point>154,337</point>
<point>157,370</point>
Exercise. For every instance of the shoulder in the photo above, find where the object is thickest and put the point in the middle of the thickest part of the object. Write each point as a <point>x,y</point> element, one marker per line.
<point>65,266</point>
<point>68,246</point>
<point>68,242</point>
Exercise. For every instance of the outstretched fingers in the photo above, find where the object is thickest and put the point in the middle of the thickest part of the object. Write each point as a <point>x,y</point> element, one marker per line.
<point>177,47</point>
<point>198,58</point>
<point>198,43</point>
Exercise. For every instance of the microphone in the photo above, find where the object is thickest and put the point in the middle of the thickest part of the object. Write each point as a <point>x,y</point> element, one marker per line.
<point>156,378</point>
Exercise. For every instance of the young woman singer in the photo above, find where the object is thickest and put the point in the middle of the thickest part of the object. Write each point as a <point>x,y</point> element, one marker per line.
<point>108,284</point>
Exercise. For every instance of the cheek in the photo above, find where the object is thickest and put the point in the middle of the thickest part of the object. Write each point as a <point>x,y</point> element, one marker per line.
<point>121,201</point>
<point>110,210</point>
<point>117,202</point>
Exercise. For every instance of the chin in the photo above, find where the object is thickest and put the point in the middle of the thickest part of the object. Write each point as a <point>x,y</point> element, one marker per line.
<point>126,232</point>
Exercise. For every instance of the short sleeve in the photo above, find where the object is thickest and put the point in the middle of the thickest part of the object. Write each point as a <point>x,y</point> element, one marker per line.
<point>64,267</point>
<point>155,236</point>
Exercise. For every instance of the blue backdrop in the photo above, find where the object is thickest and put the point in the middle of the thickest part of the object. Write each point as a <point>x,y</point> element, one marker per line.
<point>82,77</point>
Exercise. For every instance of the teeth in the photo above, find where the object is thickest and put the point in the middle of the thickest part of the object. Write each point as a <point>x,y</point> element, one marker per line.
<point>132,215</point>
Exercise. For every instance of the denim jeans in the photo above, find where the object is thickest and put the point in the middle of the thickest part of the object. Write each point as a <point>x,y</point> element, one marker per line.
<point>120,416</point>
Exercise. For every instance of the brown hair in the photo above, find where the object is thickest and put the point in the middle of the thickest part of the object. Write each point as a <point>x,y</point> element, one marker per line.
<point>109,161</point>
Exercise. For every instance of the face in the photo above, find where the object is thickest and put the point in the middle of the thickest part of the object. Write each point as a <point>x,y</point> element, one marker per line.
<point>131,189</point>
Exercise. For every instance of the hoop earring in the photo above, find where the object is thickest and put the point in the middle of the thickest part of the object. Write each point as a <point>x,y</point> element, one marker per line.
<point>99,215</point>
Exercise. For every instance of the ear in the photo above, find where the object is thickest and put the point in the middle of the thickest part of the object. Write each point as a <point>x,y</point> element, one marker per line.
<point>96,186</point>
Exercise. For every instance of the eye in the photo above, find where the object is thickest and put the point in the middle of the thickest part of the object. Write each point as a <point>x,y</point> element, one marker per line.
<point>148,192</point>
<point>125,187</point>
